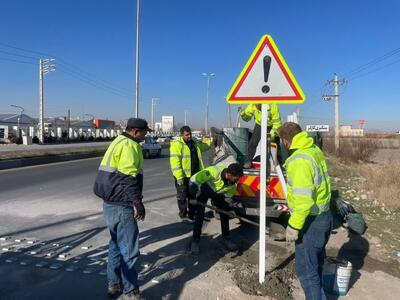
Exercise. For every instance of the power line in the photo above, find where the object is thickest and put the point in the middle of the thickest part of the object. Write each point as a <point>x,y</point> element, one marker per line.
<point>71,67</point>
<point>91,83</point>
<point>19,55</point>
<point>374,70</point>
<point>372,62</point>
<point>18,61</point>
<point>88,78</point>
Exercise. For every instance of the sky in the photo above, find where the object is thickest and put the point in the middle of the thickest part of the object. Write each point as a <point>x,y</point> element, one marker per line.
<point>94,45</point>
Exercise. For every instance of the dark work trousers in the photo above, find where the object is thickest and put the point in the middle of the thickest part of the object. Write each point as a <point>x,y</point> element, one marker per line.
<point>255,140</point>
<point>310,254</point>
<point>217,200</point>
<point>182,194</point>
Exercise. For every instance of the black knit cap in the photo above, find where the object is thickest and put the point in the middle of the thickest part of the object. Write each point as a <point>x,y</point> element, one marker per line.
<point>137,123</point>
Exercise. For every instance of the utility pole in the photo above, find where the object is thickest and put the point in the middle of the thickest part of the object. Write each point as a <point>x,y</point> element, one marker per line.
<point>335,82</point>
<point>45,66</point>
<point>137,59</point>
<point>153,104</point>
<point>68,123</point>
<point>208,75</point>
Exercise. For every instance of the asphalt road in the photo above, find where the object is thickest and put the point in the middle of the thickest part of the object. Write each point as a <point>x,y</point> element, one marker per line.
<point>54,206</point>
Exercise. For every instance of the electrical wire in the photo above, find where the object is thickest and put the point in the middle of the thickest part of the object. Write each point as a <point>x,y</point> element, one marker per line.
<point>371,63</point>
<point>72,68</point>
<point>18,61</point>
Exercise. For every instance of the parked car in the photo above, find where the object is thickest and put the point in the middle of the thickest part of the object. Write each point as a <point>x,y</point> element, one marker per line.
<point>151,148</point>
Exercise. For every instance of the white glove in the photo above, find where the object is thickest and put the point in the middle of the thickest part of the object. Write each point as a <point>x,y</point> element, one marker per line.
<point>291,234</point>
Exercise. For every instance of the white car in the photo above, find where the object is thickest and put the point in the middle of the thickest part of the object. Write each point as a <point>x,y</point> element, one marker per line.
<point>151,148</point>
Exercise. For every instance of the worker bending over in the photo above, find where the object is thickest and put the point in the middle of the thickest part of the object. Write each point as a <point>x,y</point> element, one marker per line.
<point>215,182</point>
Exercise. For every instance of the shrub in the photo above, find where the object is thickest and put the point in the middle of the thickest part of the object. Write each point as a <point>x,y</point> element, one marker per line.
<point>352,149</point>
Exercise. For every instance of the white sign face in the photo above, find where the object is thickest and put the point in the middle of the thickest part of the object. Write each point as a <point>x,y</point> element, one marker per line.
<point>266,78</point>
<point>317,128</point>
<point>255,81</point>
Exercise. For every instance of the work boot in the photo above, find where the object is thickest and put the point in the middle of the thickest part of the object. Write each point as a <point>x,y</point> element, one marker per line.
<point>133,295</point>
<point>229,244</point>
<point>187,220</point>
<point>195,247</point>
<point>114,290</point>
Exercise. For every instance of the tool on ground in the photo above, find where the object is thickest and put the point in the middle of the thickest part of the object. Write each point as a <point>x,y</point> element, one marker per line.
<point>230,214</point>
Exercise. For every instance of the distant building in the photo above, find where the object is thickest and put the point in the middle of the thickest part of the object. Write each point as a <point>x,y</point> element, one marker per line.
<point>167,123</point>
<point>14,120</point>
<point>347,130</point>
<point>103,124</point>
<point>158,126</point>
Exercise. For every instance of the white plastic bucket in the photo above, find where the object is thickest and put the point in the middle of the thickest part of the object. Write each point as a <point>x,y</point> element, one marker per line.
<point>336,275</point>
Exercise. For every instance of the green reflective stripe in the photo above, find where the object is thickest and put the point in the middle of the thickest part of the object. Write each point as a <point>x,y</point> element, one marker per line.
<point>319,209</point>
<point>307,192</point>
<point>184,170</point>
<point>275,120</point>
<point>112,151</point>
<point>179,156</point>
<point>317,179</point>
<point>107,169</point>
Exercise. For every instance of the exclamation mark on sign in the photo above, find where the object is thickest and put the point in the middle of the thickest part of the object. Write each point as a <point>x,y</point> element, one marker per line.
<point>267,65</point>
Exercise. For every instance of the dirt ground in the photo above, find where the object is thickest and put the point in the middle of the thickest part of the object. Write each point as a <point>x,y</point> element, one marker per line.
<point>375,256</point>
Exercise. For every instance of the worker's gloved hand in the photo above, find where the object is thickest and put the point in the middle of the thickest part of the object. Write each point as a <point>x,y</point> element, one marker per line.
<point>291,234</point>
<point>181,186</point>
<point>193,188</point>
<point>139,211</point>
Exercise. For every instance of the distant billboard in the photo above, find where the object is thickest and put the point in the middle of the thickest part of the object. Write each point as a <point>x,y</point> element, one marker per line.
<point>167,123</point>
<point>317,128</point>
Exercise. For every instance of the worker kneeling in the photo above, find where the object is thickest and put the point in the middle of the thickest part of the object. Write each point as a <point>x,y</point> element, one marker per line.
<point>215,182</point>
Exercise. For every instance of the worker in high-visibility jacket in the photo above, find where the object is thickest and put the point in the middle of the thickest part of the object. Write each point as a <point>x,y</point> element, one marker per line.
<point>309,195</point>
<point>218,183</point>
<point>186,160</point>
<point>273,123</point>
<point>119,182</point>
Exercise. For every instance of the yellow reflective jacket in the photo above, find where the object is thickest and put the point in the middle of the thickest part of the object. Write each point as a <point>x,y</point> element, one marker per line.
<point>274,116</point>
<point>213,176</point>
<point>309,185</point>
<point>120,175</point>
<point>180,160</point>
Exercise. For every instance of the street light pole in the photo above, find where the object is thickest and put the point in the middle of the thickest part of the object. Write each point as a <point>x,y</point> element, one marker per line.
<point>186,117</point>
<point>153,104</point>
<point>19,119</point>
<point>208,75</point>
<point>137,59</point>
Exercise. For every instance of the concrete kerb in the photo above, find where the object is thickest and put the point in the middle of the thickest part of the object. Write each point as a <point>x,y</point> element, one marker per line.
<point>53,158</point>
<point>40,160</point>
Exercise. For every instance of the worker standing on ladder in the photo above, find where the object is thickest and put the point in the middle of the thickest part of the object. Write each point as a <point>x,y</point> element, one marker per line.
<point>274,122</point>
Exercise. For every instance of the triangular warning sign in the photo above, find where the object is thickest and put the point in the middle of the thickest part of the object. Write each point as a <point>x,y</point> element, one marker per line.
<point>266,78</point>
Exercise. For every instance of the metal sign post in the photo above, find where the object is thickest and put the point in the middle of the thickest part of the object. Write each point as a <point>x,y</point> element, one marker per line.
<point>265,79</point>
<point>264,177</point>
